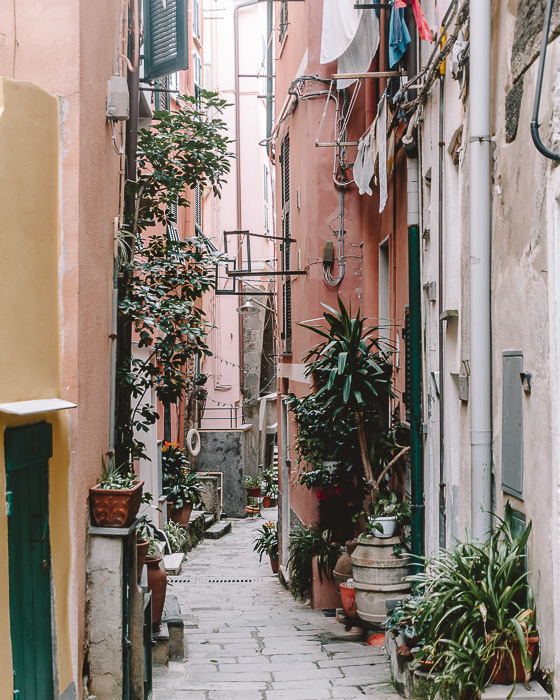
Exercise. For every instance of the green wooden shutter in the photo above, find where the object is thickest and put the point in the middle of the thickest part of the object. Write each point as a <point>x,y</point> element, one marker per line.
<point>166,47</point>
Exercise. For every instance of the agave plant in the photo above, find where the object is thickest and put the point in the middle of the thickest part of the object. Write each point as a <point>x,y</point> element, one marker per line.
<point>350,370</point>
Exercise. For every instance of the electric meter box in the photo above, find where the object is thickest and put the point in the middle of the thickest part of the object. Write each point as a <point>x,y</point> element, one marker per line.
<point>117,99</point>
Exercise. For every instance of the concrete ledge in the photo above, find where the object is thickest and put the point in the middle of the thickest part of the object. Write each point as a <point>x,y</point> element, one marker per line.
<point>175,624</point>
<point>218,530</point>
<point>173,563</point>
<point>503,692</point>
<point>161,646</point>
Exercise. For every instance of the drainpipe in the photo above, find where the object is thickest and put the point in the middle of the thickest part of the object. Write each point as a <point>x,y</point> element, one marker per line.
<point>415,349</point>
<point>480,248</point>
<point>414,339</point>
<point>269,68</point>
<point>441,327</point>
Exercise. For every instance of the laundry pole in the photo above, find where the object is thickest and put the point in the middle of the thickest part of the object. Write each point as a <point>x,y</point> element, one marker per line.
<point>480,282</point>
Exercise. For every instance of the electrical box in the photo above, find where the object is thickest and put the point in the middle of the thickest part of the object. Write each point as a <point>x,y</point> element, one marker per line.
<point>118,102</point>
<point>328,253</point>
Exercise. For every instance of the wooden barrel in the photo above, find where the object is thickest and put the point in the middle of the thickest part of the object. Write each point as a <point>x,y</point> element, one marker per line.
<point>378,574</point>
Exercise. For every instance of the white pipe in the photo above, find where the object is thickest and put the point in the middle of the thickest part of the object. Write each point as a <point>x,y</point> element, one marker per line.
<point>480,247</point>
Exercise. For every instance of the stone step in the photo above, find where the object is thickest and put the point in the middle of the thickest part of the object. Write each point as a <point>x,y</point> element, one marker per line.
<point>173,619</point>
<point>209,520</point>
<point>160,651</point>
<point>502,692</point>
<point>173,563</point>
<point>218,530</point>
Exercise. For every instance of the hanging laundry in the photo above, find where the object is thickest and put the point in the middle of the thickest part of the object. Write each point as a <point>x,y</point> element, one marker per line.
<point>399,36</point>
<point>364,164</point>
<point>421,22</point>
<point>340,25</point>
<point>391,154</point>
<point>358,56</point>
<point>381,136</point>
<point>350,35</point>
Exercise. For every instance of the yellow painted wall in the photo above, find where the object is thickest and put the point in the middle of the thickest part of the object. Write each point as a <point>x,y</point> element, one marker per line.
<point>30,325</point>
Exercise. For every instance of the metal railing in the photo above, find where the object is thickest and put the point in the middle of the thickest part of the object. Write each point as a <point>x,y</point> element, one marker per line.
<point>220,417</point>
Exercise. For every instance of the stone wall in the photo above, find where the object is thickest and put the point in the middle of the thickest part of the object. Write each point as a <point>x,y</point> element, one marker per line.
<point>233,453</point>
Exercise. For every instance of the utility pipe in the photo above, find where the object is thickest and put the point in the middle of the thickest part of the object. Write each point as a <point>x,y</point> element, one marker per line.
<point>480,248</point>
<point>441,327</point>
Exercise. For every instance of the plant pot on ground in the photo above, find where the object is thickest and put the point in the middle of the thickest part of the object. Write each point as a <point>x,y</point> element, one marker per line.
<point>266,542</point>
<point>115,501</point>
<point>313,556</point>
<point>266,501</point>
<point>181,484</point>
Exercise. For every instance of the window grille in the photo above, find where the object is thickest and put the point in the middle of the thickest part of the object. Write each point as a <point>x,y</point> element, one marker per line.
<point>161,96</point>
<point>196,18</point>
<point>285,246</point>
<point>165,37</point>
<point>174,84</point>
<point>172,229</point>
<point>197,75</point>
<point>283,30</point>
<point>198,207</point>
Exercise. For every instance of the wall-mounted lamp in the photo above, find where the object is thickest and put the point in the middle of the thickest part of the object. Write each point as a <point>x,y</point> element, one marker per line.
<point>249,308</point>
<point>526,381</point>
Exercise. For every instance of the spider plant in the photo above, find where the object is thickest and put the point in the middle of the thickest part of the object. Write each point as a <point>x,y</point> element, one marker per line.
<point>306,543</point>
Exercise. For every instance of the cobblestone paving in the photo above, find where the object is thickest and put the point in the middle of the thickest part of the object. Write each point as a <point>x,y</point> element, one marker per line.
<point>247,639</point>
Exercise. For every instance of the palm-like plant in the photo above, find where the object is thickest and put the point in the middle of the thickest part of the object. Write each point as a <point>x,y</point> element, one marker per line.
<point>350,370</point>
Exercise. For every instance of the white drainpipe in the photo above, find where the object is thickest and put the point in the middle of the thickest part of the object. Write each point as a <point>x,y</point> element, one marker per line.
<point>480,241</point>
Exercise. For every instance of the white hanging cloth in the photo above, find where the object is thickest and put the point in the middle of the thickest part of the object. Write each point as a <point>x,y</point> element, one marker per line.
<point>358,56</point>
<point>340,25</point>
<point>382,146</point>
<point>364,165</point>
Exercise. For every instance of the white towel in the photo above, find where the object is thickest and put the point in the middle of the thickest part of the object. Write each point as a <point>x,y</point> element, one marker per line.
<point>340,25</point>
<point>382,145</point>
<point>358,56</point>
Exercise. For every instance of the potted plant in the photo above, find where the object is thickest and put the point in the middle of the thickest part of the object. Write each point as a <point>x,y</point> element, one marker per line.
<point>388,516</point>
<point>116,499</point>
<point>313,557</point>
<point>181,484</point>
<point>269,485</point>
<point>176,536</point>
<point>478,617</point>
<point>266,542</point>
<point>253,486</point>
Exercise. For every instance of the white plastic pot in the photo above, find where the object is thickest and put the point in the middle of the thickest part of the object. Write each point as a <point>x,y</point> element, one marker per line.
<point>385,527</point>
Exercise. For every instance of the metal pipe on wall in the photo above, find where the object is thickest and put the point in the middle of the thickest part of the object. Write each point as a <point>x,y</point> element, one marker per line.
<point>480,250</point>
<point>441,328</point>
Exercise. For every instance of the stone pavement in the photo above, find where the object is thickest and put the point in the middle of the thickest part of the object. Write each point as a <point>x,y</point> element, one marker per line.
<point>247,639</point>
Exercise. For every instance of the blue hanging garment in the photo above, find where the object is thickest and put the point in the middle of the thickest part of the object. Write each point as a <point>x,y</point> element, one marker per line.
<point>399,35</point>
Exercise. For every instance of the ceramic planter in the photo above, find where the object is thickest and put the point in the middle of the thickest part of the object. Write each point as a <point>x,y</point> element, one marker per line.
<point>182,515</point>
<point>378,574</point>
<point>266,502</point>
<point>115,508</point>
<point>388,526</point>
<point>343,568</point>
<point>253,491</point>
<point>157,584</point>
<point>274,563</point>
<point>506,670</point>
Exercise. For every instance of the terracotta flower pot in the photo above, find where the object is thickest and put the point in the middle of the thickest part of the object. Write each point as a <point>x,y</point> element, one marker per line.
<point>252,510</point>
<point>274,563</point>
<point>343,567</point>
<point>254,491</point>
<point>141,552</point>
<point>266,502</point>
<point>157,583</point>
<point>349,601</point>
<point>115,508</point>
<point>182,515</point>
<point>505,670</point>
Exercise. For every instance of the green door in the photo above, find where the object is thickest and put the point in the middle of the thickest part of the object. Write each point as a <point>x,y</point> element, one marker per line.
<point>27,451</point>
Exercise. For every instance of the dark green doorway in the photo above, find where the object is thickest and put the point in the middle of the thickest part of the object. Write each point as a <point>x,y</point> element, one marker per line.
<point>27,453</point>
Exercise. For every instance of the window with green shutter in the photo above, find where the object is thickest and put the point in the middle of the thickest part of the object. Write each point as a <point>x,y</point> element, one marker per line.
<point>165,46</point>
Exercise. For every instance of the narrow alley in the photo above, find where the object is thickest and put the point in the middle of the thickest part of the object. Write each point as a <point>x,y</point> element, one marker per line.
<point>247,638</point>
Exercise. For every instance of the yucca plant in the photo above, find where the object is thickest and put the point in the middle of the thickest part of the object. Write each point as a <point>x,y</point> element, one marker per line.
<point>350,370</point>
<point>478,604</point>
<point>306,543</point>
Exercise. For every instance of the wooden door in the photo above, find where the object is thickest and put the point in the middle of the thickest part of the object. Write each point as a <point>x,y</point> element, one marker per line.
<point>27,451</point>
